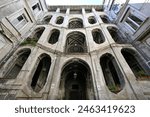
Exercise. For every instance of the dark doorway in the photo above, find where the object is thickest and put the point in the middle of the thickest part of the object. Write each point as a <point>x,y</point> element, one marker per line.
<point>76,81</point>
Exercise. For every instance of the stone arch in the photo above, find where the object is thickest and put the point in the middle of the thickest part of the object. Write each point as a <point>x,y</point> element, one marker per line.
<point>92,20</point>
<point>105,18</point>
<point>47,19</point>
<point>136,63</point>
<point>54,36</point>
<point>76,81</point>
<point>112,74</point>
<point>76,43</point>
<point>75,23</point>
<point>98,36</point>
<point>18,63</point>
<point>41,73</point>
<point>115,34</point>
<point>37,33</point>
<point>59,20</point>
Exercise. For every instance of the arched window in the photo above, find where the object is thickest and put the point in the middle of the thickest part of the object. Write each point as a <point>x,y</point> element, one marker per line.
<point>40,75</point>
<point>76,81</point>
<point>22,56</point>
<point>75,23</point>
<point>92,20</point>
<point>54,36</point>
<point>59,20</point>
<point>105,19</point>
<point>76,43</point>
<point>137,65</point>
<point>115,34</point>
<point>47,19</point>
<point>98,36</point>
<point>112,74</point>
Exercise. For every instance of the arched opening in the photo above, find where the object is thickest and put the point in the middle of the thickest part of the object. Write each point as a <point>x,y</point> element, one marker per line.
<point>98,36</point>
<point>59,20</point>
<point>54,36</point>
<point>21,58</point>
<point>40,75</point>
<point>113,76</point>
<point>76,43</point>
<point>76,81</point>
<point>105,19</point>
<point>47,19</point>
<point>115,34</point>
<point>75,23</point>
<point>92,20</point>
<point>135,62</point>
<point>33,39</point>
<point>37,34</point>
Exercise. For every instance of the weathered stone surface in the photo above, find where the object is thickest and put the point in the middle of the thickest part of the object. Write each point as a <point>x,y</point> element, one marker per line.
<point>74,69</point>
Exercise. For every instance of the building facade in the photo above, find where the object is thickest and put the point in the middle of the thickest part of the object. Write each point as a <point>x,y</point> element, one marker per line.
<point>73,52</point>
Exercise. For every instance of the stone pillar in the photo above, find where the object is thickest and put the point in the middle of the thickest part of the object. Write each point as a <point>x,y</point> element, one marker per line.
<point>97,17</point>
<point>62,41</point>
<point>58,10</point>
<point>98,78</point>
<point>85,20</point>
<point>68,11</point>
<point>66,20</point>
<point>54,88</point>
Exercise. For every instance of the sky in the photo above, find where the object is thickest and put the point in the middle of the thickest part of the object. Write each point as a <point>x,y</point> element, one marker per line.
<point>85,2</point>
<point>74,2</point>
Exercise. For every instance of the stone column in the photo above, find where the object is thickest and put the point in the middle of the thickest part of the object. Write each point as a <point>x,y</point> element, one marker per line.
<point>54,88</point>
<point>85,20</point>
<point>58,10</point>
<point>98,78</point>
<point>97,17</point>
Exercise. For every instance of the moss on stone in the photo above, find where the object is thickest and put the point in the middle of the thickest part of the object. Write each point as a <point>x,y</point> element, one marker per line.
<point>29,41</point>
